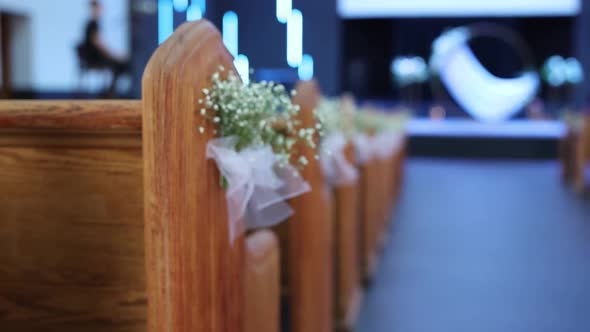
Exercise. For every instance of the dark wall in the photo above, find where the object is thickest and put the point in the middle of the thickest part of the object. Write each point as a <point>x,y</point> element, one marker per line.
<point>582,51</point>
<point>261,37</point>
<point>264,40</point>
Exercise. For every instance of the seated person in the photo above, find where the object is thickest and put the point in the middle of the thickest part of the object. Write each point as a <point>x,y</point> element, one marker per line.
<point>95,53</point>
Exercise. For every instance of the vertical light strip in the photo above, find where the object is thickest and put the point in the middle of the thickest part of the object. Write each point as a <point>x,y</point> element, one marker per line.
<point>284,8</point>
<point>230,32</point>
<point>180,5</point>
<point>243,67</point>
<point>295,38</point>
<point>202,4</point>
<point>305,70</point>
<point>194,12</point>
<point>165,20</point>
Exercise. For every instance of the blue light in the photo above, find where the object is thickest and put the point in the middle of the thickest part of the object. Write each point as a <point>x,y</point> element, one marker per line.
<point>180,5</point>
<point>284,8</point>
<point>295,38</point>
<point>243,67</point>
<point>194,13</point>
<point>202,4</point>
<point>165,20</point>
<point>230,32</point>
<point>305,70</point>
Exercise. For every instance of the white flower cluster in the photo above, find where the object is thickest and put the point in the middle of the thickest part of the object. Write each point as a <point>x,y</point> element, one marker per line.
<point>335,116</point>
<point>257,114</point>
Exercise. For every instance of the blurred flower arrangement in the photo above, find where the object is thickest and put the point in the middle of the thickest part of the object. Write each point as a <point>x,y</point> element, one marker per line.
<point>335,125</point>
<point>259,113</point>
<point>256,134</point>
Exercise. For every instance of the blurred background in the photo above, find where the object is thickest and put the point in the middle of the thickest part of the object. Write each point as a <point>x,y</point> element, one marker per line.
<point>486,236</point>
<point>382,51</point>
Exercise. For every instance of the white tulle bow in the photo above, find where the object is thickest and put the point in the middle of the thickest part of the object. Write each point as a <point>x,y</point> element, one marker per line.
<point>385,144</point>
<point>380,146</point>
<point>336,168</point>
<point>257,185</point>
<point>362,145</point>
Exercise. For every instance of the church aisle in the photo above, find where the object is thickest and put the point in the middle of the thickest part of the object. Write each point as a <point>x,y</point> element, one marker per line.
<point>483,246</point>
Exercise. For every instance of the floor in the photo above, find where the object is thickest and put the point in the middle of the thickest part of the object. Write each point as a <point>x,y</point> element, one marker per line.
<point>501,247</point>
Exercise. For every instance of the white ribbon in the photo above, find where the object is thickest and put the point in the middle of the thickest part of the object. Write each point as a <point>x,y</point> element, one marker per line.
<point>257,186</point>
<point>385,144</point>
<point>381,146</point>
<point>362,145</point>
<point>336,168</point>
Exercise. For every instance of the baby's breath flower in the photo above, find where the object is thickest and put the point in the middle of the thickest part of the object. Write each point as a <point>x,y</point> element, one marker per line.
<point>248,112</point>
<point>303,161</point>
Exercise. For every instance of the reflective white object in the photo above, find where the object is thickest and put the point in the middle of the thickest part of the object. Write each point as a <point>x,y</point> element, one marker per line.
<point>483,95</point>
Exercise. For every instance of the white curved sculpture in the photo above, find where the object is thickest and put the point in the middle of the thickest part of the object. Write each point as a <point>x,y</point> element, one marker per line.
<point>483,95</point>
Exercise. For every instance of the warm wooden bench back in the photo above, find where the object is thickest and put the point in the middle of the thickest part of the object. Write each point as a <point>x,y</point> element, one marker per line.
<point>71,217</point>
<point>77,250</point>
<point>307,238</point>
<point>586,137</point>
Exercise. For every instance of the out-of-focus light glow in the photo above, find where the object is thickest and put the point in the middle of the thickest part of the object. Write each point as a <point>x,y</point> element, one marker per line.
<point>194,13</point>
<point>409,70</point>
<point>574,71</point>
<point>202,4</point>
<point>295,38</point>
<point>284,8</point>
<point>165,20</point>
<point>457,8</point>
<point>180,5</point>
<point>230,32</point>
<point>243,67</point>
<point>305,70</point>
<point>559,71</point>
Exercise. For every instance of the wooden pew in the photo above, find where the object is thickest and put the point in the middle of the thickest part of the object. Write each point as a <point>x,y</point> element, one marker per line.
<point>306,239</point>
<point>347,268</point>
<point>78,252</point>
<point>369,210</point>
<point>380,184</point>
<point>575,152</point>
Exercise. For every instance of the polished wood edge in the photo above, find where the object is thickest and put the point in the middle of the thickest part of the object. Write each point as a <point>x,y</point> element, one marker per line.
<point>71,114</point>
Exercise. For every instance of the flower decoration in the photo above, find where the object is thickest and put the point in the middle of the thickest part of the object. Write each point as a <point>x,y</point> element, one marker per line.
<point>259,113</point>
<point>334,122</point>
<point>257,134</point>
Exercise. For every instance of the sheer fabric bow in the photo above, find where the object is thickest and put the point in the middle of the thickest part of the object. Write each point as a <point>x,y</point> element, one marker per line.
<point>258,185</point>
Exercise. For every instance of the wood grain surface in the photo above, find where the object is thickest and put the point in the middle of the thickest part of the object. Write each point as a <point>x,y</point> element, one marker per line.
<point>347,250</point>
<point>194,273</point>
<point>71,239</point>
<point>262,283</point>
<point>309,242</point>
<point>71,114</point>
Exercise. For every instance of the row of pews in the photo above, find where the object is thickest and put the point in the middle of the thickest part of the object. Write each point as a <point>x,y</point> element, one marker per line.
<point>112,219</point>
<point>575,150</point>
